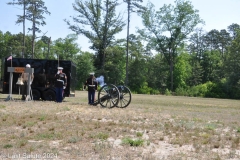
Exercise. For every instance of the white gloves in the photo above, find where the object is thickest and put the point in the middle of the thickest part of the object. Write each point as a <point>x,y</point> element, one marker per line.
<point>58,72</point>
<point>64,87</point>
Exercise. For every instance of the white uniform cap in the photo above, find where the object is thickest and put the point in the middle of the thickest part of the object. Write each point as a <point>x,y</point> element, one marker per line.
<point>28,66</point>
<point>60,68</point>
<point>91,74</point>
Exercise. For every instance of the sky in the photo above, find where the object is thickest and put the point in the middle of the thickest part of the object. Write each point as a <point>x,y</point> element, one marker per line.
<point>217,14</point>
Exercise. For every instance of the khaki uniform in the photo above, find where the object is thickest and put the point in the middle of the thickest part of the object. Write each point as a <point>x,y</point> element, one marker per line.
<point>25,84</point>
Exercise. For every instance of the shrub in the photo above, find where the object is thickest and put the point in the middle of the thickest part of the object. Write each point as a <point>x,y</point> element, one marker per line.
<point>215,90</point>
<point>153,91</point>
<point>167,92</point>
<point>193,91</point>
<point>102,136</point>
<point>139,134</point>
<point>144,89</point>
<point>181,92</point>
<point>131,142</point>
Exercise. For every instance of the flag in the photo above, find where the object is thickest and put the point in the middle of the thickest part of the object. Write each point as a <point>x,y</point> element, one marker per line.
<point>9,58</point>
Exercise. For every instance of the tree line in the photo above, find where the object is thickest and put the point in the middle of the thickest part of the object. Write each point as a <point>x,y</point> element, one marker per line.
<point>170,55</point>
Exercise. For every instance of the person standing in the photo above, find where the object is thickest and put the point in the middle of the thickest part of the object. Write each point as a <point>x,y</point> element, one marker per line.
<point>60,84</point>
<point>25,82</point>
<point>91,84</point>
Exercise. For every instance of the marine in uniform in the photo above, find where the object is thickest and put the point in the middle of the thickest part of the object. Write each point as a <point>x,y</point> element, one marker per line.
<point>60,84</point>
<point>91,84</point>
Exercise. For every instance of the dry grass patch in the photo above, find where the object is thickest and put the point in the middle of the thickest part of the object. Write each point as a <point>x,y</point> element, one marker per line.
<point>151,127</point>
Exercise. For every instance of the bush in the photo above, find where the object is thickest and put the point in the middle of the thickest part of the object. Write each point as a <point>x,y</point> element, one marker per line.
<point>193,91</point>
<point>215,90</point>
<point>131,142</point>
<point>209,89</point>
<point>153,91</point>
<point>144,89</point>
<point>168,93</point>
<point>181,92</point>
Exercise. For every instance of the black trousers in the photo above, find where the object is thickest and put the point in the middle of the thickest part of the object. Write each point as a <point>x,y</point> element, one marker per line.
<point>24,89</point>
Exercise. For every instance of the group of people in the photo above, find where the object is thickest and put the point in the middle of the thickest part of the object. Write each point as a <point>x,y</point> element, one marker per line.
<point>61,84</point>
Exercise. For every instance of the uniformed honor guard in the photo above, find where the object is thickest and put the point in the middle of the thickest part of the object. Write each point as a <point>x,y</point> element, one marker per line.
<point>60,84</point>
<point>91,84</point>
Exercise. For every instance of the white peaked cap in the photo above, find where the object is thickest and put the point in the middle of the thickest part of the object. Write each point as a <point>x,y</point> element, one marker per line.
<point>60,68</point>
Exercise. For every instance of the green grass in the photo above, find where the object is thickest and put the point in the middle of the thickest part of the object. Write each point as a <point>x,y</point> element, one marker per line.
<point>7,146</point>
<point>2,106</point>
<point>139,134</point>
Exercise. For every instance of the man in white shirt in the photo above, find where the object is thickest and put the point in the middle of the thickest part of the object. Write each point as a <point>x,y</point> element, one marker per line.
<point>25,82</point>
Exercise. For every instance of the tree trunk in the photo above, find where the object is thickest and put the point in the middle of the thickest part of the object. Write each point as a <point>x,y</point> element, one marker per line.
<point>102,50</point>
<point>33,40</point>
<point>24,10</point>
<point>103,59</point>
<point>49,41</point>
<point>126,81</point>
<point>171,69</point>
<point>34,32</point>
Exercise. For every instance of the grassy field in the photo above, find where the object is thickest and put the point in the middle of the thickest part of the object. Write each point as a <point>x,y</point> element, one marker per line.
<point>152,127</point>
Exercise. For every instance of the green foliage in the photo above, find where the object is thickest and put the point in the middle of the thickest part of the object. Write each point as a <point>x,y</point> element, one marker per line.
<point>137,75</point>
<point>167,92</point>
<point>7,146</point>
<point>158,73</point>
<point>175,21</point>
<point>72,140</point>
<point>238,130</point>
<point>147,90</point>
<point>209,89</point>
<point>42,118</point>
<point>114,65</point>
<point>181,91</point>
<point>67,48</point>
<point>211,64</point>
<point>12,44</point>
<point>34,11</point>
<point>154,91</point>
<point>84,62</point>
<point>49,135</point>
<point>2,106</point>
<point>182,70</point>
<point>201,90</point>
<point>144,89</point>
<point>131,142</point>
<point>99,23</point>
<point>102,136</point>
<point>139,134</point>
